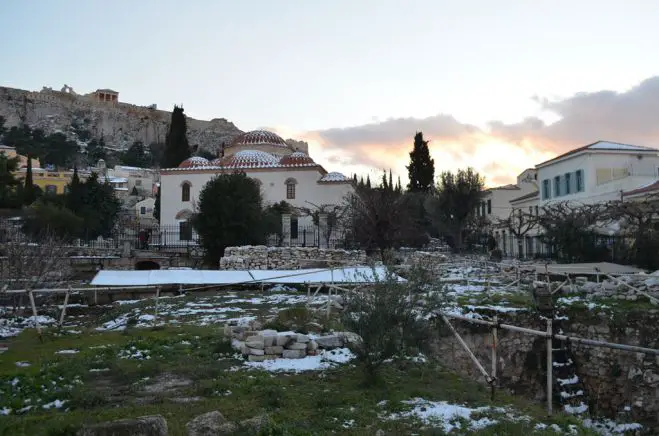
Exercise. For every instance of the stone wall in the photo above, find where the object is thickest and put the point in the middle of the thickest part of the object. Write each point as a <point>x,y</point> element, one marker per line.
<point>613,379</point>
<point>262,257</point>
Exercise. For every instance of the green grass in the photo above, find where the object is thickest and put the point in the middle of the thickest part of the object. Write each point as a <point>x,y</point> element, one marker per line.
<point>298,404</point>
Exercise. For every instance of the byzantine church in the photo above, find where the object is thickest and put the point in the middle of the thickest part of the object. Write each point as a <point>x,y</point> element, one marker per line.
<point>284,172</point>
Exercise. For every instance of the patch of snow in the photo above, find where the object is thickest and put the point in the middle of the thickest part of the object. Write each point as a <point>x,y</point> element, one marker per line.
<point>568,381</point>
<point>324,360</point>
<point>54,404</point>
<point>67,352</point>
<point>449,415</point>
<point>607,427</point>
<point>23,364</point>
<point>575,410</point>
<point>99,370</point>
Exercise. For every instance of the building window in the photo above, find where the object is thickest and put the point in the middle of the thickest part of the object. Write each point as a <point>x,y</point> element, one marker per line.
<point>580,183</point>
<point>290,188</point>
<point>185,231</point>
<point>185,191</point>
<point>568,180</point>
<point>545,190</point>
<point>142,210</point>
<point>482,208</point>
<point>51,189</point>
<point>489,207</point>
<point>557,186</point>
<point>138,182</point>
<point>294,226</point>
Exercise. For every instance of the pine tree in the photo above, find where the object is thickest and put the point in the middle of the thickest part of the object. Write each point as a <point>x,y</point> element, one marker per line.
<point>156,206</point>
<point>74,200</point>
<point>391,181</point>
<point>177,148</point>
<point>368,181</point>
<point>29,193</point>
<point>421,168</point>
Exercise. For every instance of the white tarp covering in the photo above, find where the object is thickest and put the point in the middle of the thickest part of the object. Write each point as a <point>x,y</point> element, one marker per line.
<point>354,275</point>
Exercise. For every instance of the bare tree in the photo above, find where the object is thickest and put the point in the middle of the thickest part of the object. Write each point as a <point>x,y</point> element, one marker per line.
<point>25,264</point>
<point>334,213</point>
<point>570,228</point>
<point>378,219</point>
<point>519,224</point>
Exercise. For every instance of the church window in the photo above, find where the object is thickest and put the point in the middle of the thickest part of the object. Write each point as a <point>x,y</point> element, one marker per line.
<point>290,188</point>
<point>185,191</point>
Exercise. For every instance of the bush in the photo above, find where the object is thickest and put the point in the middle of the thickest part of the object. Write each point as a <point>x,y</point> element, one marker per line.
<point>392,318</point>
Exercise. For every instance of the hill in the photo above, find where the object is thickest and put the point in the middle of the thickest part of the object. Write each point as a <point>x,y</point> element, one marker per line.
<point>103,115</point>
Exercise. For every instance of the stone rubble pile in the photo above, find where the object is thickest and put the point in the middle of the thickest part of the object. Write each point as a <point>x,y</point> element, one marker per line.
<point>426,259</point>
<point>262,257</point>
<point>262,345</point>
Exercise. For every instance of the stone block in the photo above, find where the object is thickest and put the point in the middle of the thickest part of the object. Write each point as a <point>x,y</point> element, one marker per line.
<point>154,425</point>
<point>255,344</point>
<point>256,352</point>
<point>329,341</point>
<point>269,341</point>
<point>296,346</point>
<point>312,346</point>
<point>293,354</point>
<point>244,350</point>
<point>206,424</point>
<point>302,338</point>
<point>271,356</point>
<point>282,340</point>
<point>275,349</point>
<point>227,330</point>
<point>254,358</point>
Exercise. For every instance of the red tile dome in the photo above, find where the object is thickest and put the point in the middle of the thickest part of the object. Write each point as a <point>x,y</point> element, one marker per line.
<point>194,162</point>
<point>297,159</point>
<point>259,137</point>
<point>250,159</point>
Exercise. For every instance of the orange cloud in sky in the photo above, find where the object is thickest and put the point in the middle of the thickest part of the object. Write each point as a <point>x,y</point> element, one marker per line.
<point>501,151</point>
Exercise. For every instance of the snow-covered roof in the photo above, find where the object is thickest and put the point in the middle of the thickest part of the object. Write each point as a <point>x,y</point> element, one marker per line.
<point>334,176</point>
<point>259,137</point>
<point>211,277</point>
<point>194,162</point>
<point>117,180</point>
<point>250,159</point>
<point>297,159</point>
<point>603,146</point>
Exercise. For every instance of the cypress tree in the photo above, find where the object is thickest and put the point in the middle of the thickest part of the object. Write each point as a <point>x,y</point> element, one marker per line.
<point>368,181</point>
<point>177,148</point>
<point>391,181</point>
<point>421,168</point>
<point>156,206</point>
<point>74,200</point>
<point>29,193</point>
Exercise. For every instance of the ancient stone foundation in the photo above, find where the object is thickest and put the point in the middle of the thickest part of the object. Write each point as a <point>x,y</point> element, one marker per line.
<point>262,257</point>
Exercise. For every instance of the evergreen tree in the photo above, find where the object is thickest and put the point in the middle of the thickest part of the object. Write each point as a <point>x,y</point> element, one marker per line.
<point>391,181</point>
<point>74,196</point>
<point>96,151</point>
<point>156,206</point>
<point>176,143</point>
<point>136,156</point>
<point>368,181</point>
<point>421,168</point>
<point>8,182</point>
<point>230,213</point>
<point>29,193</point>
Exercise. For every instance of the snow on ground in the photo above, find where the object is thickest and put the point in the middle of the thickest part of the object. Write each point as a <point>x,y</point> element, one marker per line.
<point>452,417</point>
<point>607,427</point>
<point>324,360</point>
<point>14,325</point>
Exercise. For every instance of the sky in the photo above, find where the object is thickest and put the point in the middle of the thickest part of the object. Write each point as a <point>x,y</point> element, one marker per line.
<point>498,86</point>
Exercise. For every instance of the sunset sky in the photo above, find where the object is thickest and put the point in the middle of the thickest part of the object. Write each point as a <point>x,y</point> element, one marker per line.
<point>499,86</point>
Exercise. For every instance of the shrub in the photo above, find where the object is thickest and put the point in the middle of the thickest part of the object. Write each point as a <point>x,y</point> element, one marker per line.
<point>393,318</point>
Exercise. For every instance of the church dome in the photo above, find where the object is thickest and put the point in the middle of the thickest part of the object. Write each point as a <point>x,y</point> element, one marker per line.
<point>194,162</point>
<point>250,159</point>
<point>334,177</point>
<point>259,137</point>
<point>297,159</point>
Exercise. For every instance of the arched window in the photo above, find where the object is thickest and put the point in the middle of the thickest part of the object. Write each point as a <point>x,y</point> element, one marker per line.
<point>51,189</point>
<point>185,191</point>
<point>290,188</point>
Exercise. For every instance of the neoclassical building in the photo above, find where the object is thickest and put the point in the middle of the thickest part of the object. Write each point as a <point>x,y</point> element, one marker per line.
<point>285,173</point>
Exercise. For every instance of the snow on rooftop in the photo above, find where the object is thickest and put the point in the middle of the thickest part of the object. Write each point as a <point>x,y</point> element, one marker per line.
<point>334,176</point>
<point>606,145</point>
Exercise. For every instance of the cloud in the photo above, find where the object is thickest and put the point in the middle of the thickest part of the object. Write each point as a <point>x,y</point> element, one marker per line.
<point>500,151</point>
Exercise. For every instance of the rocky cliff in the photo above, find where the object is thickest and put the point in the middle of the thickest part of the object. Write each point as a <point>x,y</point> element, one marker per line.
<point>120,124</point>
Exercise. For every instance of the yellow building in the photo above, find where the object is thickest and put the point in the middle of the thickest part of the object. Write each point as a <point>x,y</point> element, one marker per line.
<point>51,182</point>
